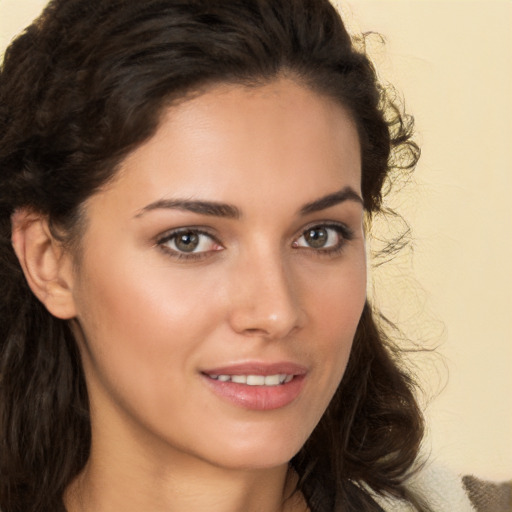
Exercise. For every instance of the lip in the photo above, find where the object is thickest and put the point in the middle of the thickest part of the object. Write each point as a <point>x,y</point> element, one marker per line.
<point>258,368</point>
<point>257,398</point>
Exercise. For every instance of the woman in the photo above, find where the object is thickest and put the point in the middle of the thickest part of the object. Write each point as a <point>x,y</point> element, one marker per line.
<point>184,190</point>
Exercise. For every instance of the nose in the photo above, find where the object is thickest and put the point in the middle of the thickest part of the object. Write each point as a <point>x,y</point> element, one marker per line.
<point>265,301</point>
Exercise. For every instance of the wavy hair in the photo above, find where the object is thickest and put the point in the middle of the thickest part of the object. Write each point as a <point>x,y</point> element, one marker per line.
<point>83,86</point>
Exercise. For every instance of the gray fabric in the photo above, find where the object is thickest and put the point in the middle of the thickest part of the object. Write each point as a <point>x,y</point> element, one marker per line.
<point>489,496</point>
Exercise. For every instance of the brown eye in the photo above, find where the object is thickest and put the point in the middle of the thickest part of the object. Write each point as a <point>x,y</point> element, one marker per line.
<point>316,237</point>
<point>187,242</point>
<point>324,238</point>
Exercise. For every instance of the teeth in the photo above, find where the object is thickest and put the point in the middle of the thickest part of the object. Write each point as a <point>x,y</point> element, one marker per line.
<point>272,380</point>
<point>255,380</point>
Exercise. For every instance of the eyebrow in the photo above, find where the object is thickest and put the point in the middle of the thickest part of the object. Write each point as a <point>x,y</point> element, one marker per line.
<point>210,208</point>
<point>345,194</point>
<point>229,211</point>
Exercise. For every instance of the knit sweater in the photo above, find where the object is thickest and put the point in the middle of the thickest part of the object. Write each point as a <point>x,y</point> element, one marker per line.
<point>445,491</point>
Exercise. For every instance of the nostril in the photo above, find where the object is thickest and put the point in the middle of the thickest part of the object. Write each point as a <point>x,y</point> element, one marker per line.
<point>256,332</point>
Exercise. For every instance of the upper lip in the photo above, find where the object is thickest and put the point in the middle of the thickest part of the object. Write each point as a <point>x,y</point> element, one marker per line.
<point>258,368</point>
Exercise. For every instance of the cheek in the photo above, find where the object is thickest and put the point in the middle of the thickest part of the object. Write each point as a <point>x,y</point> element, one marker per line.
<point>335,304</point>
<point>129,295</point>
<point>336,298</point>
<point>141,326</point>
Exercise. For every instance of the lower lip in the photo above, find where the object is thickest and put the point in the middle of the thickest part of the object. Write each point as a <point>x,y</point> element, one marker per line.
<point>258,398</point>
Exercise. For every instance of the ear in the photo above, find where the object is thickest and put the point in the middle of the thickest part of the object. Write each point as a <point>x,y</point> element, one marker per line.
<point>46,264</point>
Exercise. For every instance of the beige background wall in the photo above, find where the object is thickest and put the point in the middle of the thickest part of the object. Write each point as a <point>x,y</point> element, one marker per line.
<point>452,62</point>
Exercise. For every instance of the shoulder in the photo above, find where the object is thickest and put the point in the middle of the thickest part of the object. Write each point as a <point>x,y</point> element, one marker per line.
<point>443,490</point>
<point>489,496</point>
<point>440,488</point>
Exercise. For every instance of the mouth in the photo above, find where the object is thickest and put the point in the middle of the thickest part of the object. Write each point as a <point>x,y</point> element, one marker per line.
<point>259,387</point>
<point>254,380</point>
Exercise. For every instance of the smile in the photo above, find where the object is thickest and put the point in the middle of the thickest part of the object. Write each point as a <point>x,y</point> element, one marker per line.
<point>255,380</point>
<point>257,386</point>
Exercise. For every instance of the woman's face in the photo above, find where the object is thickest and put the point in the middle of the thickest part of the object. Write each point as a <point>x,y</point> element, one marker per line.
<point>222,276</point>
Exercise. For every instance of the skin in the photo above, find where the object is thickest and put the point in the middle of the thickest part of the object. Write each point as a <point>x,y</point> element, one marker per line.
<point>148,321</point>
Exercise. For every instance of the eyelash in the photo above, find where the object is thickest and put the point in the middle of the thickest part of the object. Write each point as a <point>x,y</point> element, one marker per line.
<point>344,233</point>
<point>181,255</point>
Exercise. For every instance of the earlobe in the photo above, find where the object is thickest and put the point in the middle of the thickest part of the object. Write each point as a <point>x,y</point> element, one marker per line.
<point>46,264</point>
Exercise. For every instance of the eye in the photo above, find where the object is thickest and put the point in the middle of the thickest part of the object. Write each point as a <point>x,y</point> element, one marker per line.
<point>189,242</point>
<point>326,238</point>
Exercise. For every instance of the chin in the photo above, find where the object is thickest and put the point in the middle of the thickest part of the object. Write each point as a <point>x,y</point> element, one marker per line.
<point>256,452</point>
<point>251,460</point>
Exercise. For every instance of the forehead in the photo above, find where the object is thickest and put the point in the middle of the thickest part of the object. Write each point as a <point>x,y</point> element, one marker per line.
<point>235,143</point>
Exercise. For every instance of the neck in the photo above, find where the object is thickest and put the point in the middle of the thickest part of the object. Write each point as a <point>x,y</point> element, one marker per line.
<point>123,481</point>
<point>131,469</point>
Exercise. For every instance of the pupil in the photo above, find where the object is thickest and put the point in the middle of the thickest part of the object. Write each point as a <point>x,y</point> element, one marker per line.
<point>316,237</point>
<point>187,242</point>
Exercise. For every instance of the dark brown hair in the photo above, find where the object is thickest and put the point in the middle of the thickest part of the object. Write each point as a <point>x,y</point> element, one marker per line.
<point>83,86</point>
